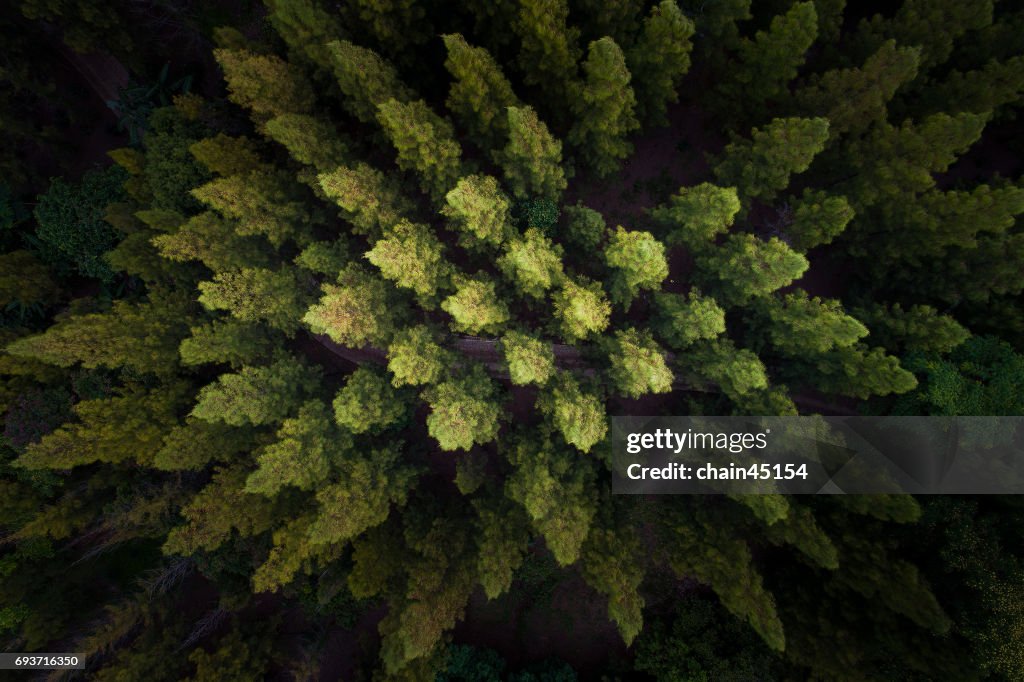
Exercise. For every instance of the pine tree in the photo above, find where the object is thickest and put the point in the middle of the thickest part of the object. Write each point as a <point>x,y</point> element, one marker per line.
<point>464,411</point>
<point>746,267</point>
<point>257,395</point>
<point>861,372</point>
<point>503,537</point>
<point>25,281</point>
<point>548,51</point>
<point>770,61</point>
<point>265,84</point>
<point>684,320</point>
<point>533,263</point>
<point>224,155</point>
<point>557,489</point>
<point>532,159</point>
<point>694,216</point>
<point>143,336</point>
<point>530,360</point>
<point>584,227</point>
<point>366,79</point>
<point>306,28</point>
<point>193,445</point>
<point>475,307</point>
<point>480,95</point>
<point>425,143</point>
<point>853,99</point>
<point>396,26</point>
<point>372,202</point>
<point>737,371</point>
<point>919,328</point>
<point>479,211</point>
<point>229,341</point>
<point>619,19</point>
<point>636,364</point>
<point>993,87</point>
<point>413,258</point>
<point>257,294</point>
<point>309,140</point>
<point>416,358</point>
<point>577,412</point>
<point>800,326</point>
<point>367,402</point>
<point>608,563</point>
<point>354,312</point>
<point>211,239</point>
<point>581,308</point>
<point>603,109</point>
<point>762,166</point>
<point>302,455</point>
<point>638,262</point>
<point>324,258</point>
<point>817,219</point>
<point>659,60</point>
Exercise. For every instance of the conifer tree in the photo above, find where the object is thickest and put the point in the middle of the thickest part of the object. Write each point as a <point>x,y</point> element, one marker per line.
<point>302,455</point>
<point>990,88</point>
<point>530,360</point>
<point>762,166</point>
<point>475,307</point>
<point>682,321</point>
<point>532,159</point>
<point>584,227</point>
<point>919,328</point>
<point>231,341</point>
<point>464,411</point>
<point>413,258</point>
<point>860,372</point>
<point>604,109</point>
<point>194,444</point>
<point>737,371</point>
<point>366,79</point>
<point>354,312</point>
<point>372,202</point>
<point>480,95</point>
<point>257,294</point>
<point>211,239</point>
<point>608,564</point>
<point>748,267</point>
<point>306,27</point>
<point>397,26</point>
<point>257,395</point>
<point>770,61</point>
<point>556,488</point>
<point>416,358</point>
<point>548,52</point>
<point>224,155</point>
<point>694,216</point>
<point>581,308</point>
<point>425,143</point>
<point>853,99</point>
<point>636,364</point>
<point>503,538</point>
<point>575,411</point>
<point>533,263</point>
<point>659,60</point>
<point>800,325</point>
<point>367,402</point>
<point>638,262</point>
<point>817,218</point>
<point>479,211</point>
<point>619,19</point>
<point>310,140</point>
<point>265,84</point>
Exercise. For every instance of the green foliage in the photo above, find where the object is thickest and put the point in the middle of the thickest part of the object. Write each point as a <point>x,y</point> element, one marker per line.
<point>533,263</point>
<point>636,365</point>
<point>755,267</point>
<point>229,341</point>
<point>303,454</point>
<point>475,307</point>
<point>861,372</point>
<point>425,143</point>
<point>464,411</point>
<point>478,211</point>
<point>416,358</point>
<point>367,402</point>
<point>480,93</point>
<point>684,320</point>
<point>257,394</point>
<point>537,212</point>
<point>800,325</point>
<point>532,159</point>
<point>638,262</point>
<point>737,371</point>
<point>817,218</point>
<point>659,60</point>
<point>366,79</point>
<point>264,84</point>
<point>70,228</point>
<point>919,328</point>
<point>575,411</point>
<point>529,359</point>
<point>694,216</point>
<point>309,140</point>
<point>413,258</point>
<point>25,280</point>
<point>608,566</point>
<point>585,227</point>
<point>582,309</point>
<point>369,200</point>
<point>762,166</point>
<point>604,109</point>
<point>355,311</point>
<point>258,294</point>
<point>548,52</point>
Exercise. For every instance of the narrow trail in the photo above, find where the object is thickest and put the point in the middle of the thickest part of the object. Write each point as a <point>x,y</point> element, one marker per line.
<point>485,352</point>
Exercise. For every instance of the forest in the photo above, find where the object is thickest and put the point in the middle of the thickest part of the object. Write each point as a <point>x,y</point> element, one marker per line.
<point>314,315</point>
